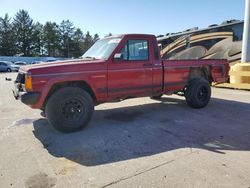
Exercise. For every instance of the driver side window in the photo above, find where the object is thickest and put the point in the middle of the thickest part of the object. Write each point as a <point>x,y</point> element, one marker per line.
<point>135,50</point>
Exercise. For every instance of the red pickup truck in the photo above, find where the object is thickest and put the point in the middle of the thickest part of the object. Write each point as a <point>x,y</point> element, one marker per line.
<point>113,69</point>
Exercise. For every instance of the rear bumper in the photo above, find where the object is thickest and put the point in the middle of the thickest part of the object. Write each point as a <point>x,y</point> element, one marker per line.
<point>28,98</point>
<point>222,79</point>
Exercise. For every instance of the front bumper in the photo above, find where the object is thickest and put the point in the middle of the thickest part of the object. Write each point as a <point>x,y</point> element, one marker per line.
<point>28,98</point>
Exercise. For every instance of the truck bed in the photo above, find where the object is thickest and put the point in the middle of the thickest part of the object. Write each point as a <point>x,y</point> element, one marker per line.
<point>178,72</point>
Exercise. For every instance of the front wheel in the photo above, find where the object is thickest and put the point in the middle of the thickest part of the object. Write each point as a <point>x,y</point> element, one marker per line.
<point>8,70</point>
<point>69,109</point>
<point>198,93</point>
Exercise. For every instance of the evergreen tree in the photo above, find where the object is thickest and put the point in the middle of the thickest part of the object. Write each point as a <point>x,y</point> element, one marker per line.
<point>7,42</point>
<point>96,38</point>
<point>67,31</point>
<point>77,48</point>
<point>23,32</point>
<point>23,36</point>
<point>88,42</point>
<point>51,39</point>
<point>37,40</point>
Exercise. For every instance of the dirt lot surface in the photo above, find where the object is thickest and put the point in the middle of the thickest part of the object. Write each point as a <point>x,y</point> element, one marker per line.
<point>134,143</point>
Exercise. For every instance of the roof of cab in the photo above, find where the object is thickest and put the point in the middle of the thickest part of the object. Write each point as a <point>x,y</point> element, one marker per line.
<point>130,35</point>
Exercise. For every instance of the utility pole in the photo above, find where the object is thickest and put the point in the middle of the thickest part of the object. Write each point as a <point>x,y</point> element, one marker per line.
<point>246,35</point>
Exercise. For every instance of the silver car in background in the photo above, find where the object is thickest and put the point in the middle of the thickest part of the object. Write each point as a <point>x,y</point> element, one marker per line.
<point>17,65</point>
<point>6,66</point>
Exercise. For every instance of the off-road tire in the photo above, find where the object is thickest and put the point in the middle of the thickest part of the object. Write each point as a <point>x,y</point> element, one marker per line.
<point>69,109</point>
<point>198,93</point>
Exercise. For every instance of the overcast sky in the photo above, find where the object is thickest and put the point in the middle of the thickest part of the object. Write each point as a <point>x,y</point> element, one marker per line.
<point>129,16</point>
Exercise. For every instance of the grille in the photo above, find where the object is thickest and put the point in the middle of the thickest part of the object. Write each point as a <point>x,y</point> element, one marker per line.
<point>20,78</point>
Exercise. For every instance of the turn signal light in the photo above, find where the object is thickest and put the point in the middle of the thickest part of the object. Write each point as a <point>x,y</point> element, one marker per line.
<point>28,82</point>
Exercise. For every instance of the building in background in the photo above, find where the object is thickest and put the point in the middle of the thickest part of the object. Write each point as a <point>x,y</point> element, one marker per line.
<point>215,42</point>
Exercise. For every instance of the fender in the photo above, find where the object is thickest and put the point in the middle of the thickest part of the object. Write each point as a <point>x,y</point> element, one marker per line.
<point>50,80</point>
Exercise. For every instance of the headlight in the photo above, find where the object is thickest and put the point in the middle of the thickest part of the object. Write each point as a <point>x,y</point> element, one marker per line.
<point>28,82</point>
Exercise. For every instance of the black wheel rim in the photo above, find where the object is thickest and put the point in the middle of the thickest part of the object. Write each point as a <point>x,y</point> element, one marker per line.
<point>73,109</point>
<point>202,93</point>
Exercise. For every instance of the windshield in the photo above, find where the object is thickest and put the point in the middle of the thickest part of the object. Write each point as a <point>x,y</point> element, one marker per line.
<point>102,49</point>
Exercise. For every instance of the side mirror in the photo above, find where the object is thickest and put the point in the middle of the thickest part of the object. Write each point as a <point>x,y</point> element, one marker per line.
<point>118,56</point>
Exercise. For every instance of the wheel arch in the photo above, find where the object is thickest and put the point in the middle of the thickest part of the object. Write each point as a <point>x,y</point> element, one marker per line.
<point>81,84</point>
<point>201,72</point>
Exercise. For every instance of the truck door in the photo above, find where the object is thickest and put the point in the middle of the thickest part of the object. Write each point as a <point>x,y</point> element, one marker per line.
<point>130,75</point>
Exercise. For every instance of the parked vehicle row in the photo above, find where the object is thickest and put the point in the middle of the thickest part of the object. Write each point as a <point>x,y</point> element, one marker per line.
<point>8,66</point>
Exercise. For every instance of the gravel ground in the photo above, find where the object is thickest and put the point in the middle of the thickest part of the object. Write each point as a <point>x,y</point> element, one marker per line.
<point>134,143</point>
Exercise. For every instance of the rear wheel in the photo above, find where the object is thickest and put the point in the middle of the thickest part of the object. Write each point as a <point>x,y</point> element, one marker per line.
<point>69,109</point>
<point>8,70</point>
<point>198,93</point>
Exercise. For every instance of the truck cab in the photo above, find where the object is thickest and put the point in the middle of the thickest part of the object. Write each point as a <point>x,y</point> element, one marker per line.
<point>135,68</point>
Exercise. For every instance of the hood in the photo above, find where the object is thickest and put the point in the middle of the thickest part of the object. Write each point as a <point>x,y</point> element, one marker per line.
<point>76,65</point>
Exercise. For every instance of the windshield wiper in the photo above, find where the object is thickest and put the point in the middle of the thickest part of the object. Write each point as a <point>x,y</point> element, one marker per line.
<point>89,57</point>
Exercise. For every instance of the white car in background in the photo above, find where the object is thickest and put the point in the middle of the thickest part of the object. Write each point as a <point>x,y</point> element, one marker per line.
<point>17,65</point>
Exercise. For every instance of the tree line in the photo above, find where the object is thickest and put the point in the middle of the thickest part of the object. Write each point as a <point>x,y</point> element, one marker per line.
<point>22,36</point>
